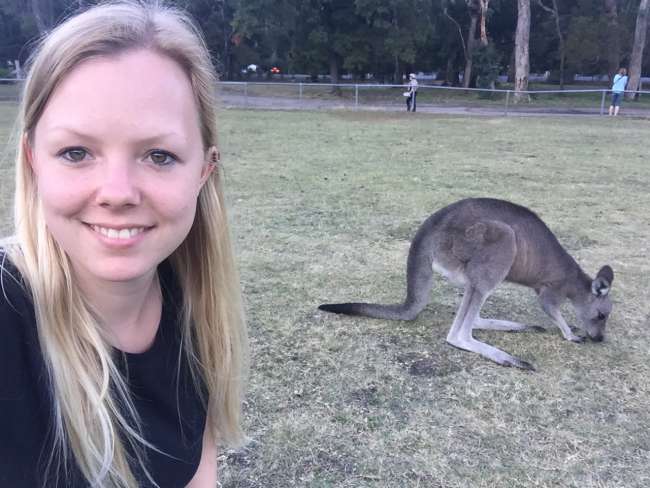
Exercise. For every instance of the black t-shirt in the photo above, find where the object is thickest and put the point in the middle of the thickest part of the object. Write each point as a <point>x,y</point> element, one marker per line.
<point>172,414</point>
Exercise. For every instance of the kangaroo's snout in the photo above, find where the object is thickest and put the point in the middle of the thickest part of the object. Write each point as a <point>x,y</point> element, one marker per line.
<point>597,338</point>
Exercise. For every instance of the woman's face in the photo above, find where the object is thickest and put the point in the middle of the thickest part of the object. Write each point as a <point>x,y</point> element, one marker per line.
<point>119,163</point>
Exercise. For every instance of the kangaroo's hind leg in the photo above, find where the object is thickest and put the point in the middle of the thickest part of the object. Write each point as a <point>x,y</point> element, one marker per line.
<point>505,325</point>
<point>491,250</point>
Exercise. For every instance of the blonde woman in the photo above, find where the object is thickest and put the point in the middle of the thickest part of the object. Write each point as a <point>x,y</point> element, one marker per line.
<point>122,343</point>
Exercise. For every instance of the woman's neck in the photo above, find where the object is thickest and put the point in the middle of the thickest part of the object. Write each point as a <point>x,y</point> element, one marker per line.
<point>129,311</point>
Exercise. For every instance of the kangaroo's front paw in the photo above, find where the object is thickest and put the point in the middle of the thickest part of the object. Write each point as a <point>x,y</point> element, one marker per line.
<point>575,338</point>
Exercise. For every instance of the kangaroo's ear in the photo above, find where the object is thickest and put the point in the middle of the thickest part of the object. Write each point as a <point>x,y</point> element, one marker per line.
<point>603,282</point>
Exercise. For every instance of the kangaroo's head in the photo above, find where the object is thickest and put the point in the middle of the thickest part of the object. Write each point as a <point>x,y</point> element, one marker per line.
<point>594,307</point>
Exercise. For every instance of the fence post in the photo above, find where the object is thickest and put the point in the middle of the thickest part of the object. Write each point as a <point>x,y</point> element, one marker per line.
<point>300,95</point>
<point>356,96</point>
<point>507,101</point>
<point>602,103</point>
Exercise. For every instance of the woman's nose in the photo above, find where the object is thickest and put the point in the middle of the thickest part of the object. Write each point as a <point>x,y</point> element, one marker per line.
<point>118,186</point>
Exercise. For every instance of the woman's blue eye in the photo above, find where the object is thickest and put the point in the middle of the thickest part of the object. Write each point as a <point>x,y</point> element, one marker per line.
<point>162,158</point>
<point>74,154</point>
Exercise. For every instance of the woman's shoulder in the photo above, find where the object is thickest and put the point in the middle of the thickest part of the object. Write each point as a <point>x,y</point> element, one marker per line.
<point>19,348</point>
<point>16,309</point>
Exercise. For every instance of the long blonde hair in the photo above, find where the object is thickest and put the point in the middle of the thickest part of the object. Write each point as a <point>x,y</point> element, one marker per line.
<point>87,389</point>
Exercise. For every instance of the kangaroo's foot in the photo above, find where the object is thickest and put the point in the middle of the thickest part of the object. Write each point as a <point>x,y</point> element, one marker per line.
<point>490,352</point>
<point>505,325</point>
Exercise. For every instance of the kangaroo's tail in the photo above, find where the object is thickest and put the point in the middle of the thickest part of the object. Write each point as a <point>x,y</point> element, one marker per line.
<point>419,281</point>
<point>390,312</point>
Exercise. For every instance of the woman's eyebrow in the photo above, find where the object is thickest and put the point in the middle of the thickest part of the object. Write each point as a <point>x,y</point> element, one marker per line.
<point>145,140</point>
<point>72,131</point>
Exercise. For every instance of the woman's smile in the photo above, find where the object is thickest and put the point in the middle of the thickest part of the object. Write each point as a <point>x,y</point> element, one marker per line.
<point>120,236</point>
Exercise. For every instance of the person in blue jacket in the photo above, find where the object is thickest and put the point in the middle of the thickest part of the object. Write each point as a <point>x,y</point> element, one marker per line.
<point>618,89</point>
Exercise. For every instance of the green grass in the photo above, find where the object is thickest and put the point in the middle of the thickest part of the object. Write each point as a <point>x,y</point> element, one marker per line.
<point>323,206</point>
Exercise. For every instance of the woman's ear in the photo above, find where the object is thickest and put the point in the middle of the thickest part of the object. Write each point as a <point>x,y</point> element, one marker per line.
<point>212,158</point>
<point>27,150</point>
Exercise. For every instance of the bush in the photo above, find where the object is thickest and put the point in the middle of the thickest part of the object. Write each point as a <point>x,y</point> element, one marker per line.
<point>485,62</point>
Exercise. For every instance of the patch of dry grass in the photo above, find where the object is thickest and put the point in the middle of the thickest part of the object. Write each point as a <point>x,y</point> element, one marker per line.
<point>323,206</point>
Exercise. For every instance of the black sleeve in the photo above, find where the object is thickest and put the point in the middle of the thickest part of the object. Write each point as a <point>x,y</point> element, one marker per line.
<point>15,317</point>
<point>24,415</point>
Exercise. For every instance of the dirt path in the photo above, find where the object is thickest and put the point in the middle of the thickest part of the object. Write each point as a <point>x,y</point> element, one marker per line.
<point>283,103</point>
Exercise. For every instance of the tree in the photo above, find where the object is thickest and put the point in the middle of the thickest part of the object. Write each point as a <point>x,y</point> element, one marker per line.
<point>215,19</point>
<point>401,31</point>
<point>562,50</point>
<point>522,40</point>
<point>637,49</point>
<point>449,39</point>
<point>483,9</point>
<point>43,11</point>
<point>474,13</point>
<point>614,49</point>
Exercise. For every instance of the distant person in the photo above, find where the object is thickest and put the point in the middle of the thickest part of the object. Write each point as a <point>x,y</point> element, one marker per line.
<point>122,341</point>
<point>618,89</point>
<point>412,93</point>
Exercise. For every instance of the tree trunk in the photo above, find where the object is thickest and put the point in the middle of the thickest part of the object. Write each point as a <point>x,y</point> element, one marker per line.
<point>396,77</point>
<point>471,42</point>
<point>483,4</point>
<point>556,16</point>
<point>451,65</point>
<point>334,69</point>
<point>450,78</point>
<point>613,49</point>
<point>560,37</point>
<point>227,34</point>
<point>511,68</point>
<point>522,41</point>
<point>637,49</point>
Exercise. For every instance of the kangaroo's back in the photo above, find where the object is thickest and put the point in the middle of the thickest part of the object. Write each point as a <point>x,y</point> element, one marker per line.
<point>539,255</point>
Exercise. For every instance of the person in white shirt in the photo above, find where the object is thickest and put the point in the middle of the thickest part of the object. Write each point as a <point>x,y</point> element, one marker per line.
<point>413,91</point>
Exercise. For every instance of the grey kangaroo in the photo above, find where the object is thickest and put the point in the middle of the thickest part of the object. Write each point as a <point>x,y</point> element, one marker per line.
<point>478,243</point>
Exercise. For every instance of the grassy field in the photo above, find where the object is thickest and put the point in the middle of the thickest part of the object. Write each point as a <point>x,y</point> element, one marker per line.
<point>323,206</point>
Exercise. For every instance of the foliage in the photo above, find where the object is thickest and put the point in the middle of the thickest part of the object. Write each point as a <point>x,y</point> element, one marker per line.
<point>386,38</point>
<point>486,66</point>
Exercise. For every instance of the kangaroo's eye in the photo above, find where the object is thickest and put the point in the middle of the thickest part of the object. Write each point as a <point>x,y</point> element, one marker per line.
<point>601,316</point>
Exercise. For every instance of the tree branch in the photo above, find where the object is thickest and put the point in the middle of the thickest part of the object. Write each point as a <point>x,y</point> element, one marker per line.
<point>460,31</point>
<point>548,9</point>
